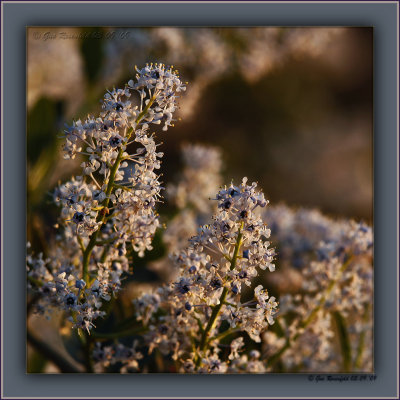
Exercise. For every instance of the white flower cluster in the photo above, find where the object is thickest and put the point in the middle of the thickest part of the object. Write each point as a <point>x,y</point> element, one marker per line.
<point>214,315</point>
<point>300,231</point>
<point>59,286</point>
<point>223,257</point>
<point>127,355</point>
<point>112,205</point>
<point>333,307</point>
<point>129,180</point>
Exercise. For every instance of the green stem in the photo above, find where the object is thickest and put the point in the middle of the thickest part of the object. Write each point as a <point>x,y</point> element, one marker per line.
<point>81,245</point>
<point>212,320</point>
<point>361,343</point>
<point>200,325</point>
<point>92,243</point>
<point>360,348</point>
<point>344,340</point>
<point>237,247</point>
<point>144,112</point>
<point>231,304</point>
<point>216,309</point>
<point>102,218</point>
<point>126,188</point>
<point>223,334</point>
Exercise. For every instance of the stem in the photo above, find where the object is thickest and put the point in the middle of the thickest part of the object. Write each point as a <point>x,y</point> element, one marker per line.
<point>88,251</point>
<point>144,112</point>
<point>212,320</point>
<point>361,343</point>
<point>88,353</point>
<point>102,218</point>
<point>344,340</point>
<point>200,325</point>
<point>223,334</point>
<point>126,188</point>
<point>216,309</point>
<point>231,304</point>
<point>237,247</point>
<point>81,245</point>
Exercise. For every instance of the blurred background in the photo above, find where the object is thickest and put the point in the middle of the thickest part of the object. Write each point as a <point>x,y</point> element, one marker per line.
<point>290,108</point>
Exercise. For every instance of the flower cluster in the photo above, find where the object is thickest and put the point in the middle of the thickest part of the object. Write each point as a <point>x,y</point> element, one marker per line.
<point>300,231</point>
<point>333,307</point>
<point>212,314</point>
<point>110,209</point>
<point>204,302</point>
<point>128,356</point>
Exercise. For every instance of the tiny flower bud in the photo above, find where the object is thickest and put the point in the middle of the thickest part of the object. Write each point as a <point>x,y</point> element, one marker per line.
<point>80,284</point>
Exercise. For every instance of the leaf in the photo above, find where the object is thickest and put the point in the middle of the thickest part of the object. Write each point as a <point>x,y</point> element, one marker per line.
<point>343,339</point>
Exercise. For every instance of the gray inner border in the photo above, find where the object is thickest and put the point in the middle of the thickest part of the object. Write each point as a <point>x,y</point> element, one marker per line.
<point>16,16</point>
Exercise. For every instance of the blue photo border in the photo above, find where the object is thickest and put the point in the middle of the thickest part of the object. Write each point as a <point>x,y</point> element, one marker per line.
<point>16,16</point>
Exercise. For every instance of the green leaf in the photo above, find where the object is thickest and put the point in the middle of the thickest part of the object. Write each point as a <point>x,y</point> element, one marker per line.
<point>344,340</point>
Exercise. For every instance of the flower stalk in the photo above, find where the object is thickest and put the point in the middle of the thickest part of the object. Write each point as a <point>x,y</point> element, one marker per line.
<point>217,308</point>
